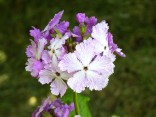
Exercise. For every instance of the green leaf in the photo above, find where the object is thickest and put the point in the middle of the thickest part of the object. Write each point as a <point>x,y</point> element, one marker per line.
<point>82,102</point>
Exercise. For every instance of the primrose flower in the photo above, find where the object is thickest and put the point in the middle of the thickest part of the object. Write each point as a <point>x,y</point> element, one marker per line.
<point>80,17</point>
<point>52,74</point>
<point>85,27</point>
<point>88,69</point>
<point>53,108</point>
<point>56,47</point>
<point>34,52</point>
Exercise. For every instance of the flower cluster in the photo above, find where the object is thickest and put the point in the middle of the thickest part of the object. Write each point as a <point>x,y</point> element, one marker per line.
<point>54,108</point>
<point>79,58</point>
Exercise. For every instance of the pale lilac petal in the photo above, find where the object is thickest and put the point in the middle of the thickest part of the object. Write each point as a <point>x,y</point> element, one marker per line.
<point>70,63</point>
<point>99,33</point>
<point>58,86</point>
<point>65,75</point>
<point>78,82</point>
<point>46,57</point>
<point>41,43</point>
<point>102,65</point>
<point>31,50</point>
<point>85,52</point>
<point>46,76</point>
<point>34,66</point>
<point>96,81</point>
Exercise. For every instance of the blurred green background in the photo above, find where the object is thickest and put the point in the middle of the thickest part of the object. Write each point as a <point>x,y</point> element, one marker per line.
<point>131,90</point>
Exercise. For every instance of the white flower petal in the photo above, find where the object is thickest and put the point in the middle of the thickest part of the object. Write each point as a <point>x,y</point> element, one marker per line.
<point>46,76</point>
<point>96,81</point>
<point>99,33</point>
<point>102,65</point>
<point>77,82</point>
<point>70,63</point>
<point>58,86</point>
<point>85,52</point>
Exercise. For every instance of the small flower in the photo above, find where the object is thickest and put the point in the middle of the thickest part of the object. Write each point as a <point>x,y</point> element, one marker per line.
<point>56,48</point>
<point>89,70</point>
<point>36,33</point>
<point>113,47</point>
<point>85,23</point>
<point>52,74</point>
<point>34,52</point>
<point>80,17</point>
<point>54,108</point>
<point>45,106</point>
<point>90,22</point>
<point>62,110</point>
<point>62,27</point>
<point>104,40</point>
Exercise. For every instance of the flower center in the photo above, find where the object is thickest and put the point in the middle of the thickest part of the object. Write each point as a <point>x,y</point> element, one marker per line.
<point>53,51</point>
<point>57,74</point>
<point>85,68</point>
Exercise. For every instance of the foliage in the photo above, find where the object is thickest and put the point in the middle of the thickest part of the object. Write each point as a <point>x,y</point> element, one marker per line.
<point>131,90</point>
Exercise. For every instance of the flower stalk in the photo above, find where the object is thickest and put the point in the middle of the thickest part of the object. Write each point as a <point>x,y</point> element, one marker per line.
<point>76,103</point>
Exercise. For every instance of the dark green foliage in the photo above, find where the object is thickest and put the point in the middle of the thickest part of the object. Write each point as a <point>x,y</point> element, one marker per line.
<point>131,90</point>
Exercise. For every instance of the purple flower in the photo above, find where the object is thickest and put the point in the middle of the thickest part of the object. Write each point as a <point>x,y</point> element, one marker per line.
<point>90,23</point>
<point>54,108</point>
<point>55,25</point>
<point>80,18</point>
<point>113,47</point>
<point>34,52</point>
<point>76,31</point>
<point>45,106</point>
<point>36,33</point>
<point>88,69</point>
<point>62,110</point>
<point>62,27</point>
<point>86,22</point>
<point>34,66</point>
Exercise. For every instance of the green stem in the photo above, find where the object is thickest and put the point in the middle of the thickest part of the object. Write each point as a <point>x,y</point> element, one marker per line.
<point>76,103</point>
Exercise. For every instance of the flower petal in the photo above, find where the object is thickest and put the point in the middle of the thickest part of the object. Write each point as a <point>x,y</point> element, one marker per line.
<point>58,86</point>
<point>77,82</point>
<point>96,81</point>
<point>102,65</point>
<point>46,76</point>
<point>85,51</point>
<point>70,63</point>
